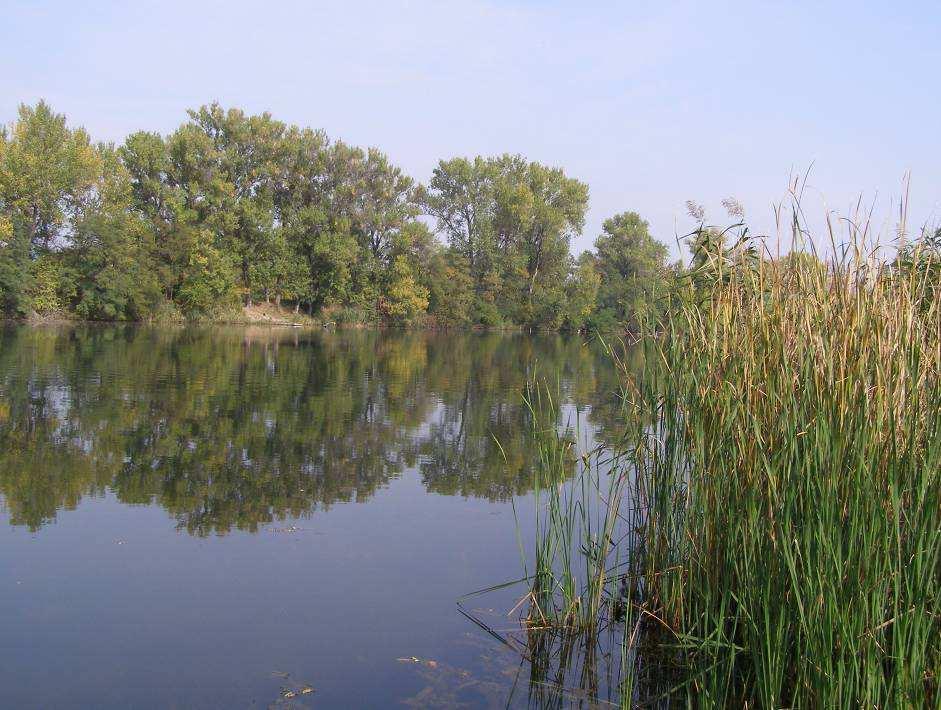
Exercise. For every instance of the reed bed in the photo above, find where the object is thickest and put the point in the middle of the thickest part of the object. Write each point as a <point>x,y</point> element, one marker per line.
<point>770,534</point>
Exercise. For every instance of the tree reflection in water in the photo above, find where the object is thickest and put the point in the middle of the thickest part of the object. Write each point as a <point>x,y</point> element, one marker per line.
<point>232,428</point>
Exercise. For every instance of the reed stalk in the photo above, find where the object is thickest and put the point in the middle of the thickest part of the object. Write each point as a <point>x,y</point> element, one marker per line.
<point>772,532</point>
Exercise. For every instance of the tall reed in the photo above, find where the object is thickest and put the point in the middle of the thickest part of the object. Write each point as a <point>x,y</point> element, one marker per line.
<point>793,533</point>
<point>779,539</point>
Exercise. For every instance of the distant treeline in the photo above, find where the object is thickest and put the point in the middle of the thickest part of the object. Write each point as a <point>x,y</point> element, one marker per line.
<point>232,209</point>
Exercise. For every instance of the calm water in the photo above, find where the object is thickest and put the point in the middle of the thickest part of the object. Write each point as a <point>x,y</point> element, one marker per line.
<point>220,518</point>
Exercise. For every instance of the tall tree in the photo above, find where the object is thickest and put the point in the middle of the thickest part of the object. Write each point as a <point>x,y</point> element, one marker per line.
<point>234,205</point>
<point>14,254</point>
<point>511,221</point>
<point>581,292</point>
<point>632,266</point>
<point>239,156</point>
<point>314,199</point>
<point>45,172</point>
<point>110,259</point>
<point>157,194</point>
<point>383,202</point>
<point>539,210</point>
<point>460,196</point>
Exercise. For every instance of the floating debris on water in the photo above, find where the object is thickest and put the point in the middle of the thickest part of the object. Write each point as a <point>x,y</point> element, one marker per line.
<point>289,529</point>
<point>416,659</point>
<point>291,689</point>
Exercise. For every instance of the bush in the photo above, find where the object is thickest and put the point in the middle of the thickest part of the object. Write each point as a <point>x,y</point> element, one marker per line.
<point>47,284</point>
<point>486,313</point>
<point>347,315</point>
<point>208,283</point>
<point>604,320</point>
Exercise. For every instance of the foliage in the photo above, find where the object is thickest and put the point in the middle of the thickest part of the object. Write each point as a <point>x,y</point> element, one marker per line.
<point>783,541</point>
<point>450,289</point>
<point>47,282</point>
<point>460,197</point>
<point>15,271</point>
<point>632,267</point>
<point>511,222</point>
<point>920,264</point>
<point>111,278</point>
<point>45,170</point>
<point>208,281</point>
<point>232,206</point>
<point>581,293</point>
<point>405,297</point>
<point>110,263</point>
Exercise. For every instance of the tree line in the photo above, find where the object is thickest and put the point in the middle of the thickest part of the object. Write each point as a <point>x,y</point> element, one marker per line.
<point>232,209</point>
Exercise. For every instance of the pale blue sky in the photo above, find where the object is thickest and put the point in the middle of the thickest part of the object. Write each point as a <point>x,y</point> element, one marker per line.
<point>651,104</point>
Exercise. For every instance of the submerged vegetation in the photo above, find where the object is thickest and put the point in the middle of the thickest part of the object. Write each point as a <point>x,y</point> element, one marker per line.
<point>776,504</point>
<point>232,209</point>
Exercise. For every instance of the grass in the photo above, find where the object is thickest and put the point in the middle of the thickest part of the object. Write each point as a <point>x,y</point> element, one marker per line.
<point>557,599</point>
<point>769,534</point>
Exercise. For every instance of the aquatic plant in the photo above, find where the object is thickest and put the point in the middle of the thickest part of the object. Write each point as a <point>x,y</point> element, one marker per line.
<point>780,528</point>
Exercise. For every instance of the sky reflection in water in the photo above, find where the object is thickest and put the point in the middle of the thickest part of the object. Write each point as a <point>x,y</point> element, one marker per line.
<point>330,496</point>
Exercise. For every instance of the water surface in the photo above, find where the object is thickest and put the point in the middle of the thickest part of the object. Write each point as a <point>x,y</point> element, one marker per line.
<point>231,517</point>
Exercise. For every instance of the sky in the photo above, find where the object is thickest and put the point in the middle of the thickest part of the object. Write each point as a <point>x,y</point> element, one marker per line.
<point>651,104</point>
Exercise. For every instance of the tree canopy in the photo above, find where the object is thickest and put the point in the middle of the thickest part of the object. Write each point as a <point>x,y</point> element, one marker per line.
<point>231,209</point>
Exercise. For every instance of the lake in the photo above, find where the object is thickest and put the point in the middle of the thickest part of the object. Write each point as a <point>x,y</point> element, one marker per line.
<point>252,517</point>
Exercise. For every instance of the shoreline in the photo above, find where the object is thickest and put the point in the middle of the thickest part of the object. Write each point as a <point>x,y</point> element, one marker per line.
<point>39,321</point>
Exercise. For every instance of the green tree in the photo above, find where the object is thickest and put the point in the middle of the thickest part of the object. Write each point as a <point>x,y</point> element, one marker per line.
<point>15,276</point>
<point>382,204</point>
<point>209,278</point>
<point>632,267</point>
<point>450,288</point>
<point>229,161</point>
<point>235,205</point>
<point>157,196</point>
<point>511,221</point>
<point>404,297</point>
<point>45,172</point>
<point>538,210</point>
<point>313,202</point>
<point>581,292</point>
<point>460,196</point>
<point>111,274</point>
